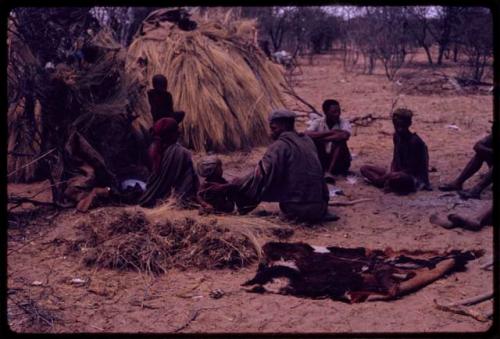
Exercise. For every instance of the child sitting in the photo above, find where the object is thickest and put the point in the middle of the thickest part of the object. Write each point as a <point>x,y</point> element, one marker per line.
<point>210,168</point>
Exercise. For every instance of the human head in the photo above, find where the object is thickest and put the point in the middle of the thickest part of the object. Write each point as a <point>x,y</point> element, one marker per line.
<point>160,82</point>
<point>401,118</point>
<point>281,121</point>
<point>331,108</point>
<point>210,166</point>
<point>166,130</point>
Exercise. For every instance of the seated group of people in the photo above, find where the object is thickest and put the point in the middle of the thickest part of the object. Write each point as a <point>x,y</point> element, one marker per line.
<point>295,168</point>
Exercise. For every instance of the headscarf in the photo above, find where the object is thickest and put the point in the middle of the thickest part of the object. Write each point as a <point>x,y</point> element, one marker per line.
<point>165,133</point>
<point>208,165</point>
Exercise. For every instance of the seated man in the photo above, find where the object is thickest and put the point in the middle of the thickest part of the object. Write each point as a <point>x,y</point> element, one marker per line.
<point>483,218</point>
<point>172,167</point>
<point>210,168</point>
<point>330,134</point>
<point>160,101</point>
<point>409,169</point>
<point>483,154</point>
<point>289,173</point>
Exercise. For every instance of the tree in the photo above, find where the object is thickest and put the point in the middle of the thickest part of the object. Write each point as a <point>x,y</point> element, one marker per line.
<point>476,38</point>
<point>444,28</point>
<point>419,28</point>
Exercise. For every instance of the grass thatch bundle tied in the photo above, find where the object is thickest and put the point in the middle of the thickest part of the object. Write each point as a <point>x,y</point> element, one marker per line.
<point>216,74</point>
<point>128,241</point>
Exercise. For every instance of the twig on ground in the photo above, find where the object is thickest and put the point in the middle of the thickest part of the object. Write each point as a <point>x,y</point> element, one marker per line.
<point>349,203</point>
<point>463,311</point>
<point>194,314</point>
<point>472,300</point>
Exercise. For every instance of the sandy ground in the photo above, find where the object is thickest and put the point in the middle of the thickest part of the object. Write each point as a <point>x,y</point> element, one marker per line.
<point>179,301</point>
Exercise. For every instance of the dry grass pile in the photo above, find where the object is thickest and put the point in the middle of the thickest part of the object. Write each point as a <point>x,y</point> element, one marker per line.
<point>128,241</point>
<point>216,74</point>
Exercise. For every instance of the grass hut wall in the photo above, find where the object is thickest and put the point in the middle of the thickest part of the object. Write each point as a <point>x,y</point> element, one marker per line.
<point>216,74</point>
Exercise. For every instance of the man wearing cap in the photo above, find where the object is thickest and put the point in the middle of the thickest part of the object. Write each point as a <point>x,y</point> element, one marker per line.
<point>330,134</point>
<point>289,173</point>
<point>409,169</point>
<point>171,165</point>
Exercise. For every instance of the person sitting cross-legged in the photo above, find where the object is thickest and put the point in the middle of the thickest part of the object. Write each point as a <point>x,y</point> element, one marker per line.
<point>409,169</point>
<point>330,135</point>
<point>289,173</point>
<point>210,168</point>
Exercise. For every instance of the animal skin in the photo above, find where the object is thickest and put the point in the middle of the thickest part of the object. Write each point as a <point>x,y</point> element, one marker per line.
<point>350,274</point>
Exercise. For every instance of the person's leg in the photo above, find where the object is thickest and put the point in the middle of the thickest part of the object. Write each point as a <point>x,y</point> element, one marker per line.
<point>179,116</point>
<point>400,183</point>
<point>475,192</point>
<point>322,155</point>
<point>374,174</point>
<point>486,216</point>
<point>472,167</point>
<point>436,219</point>
<point>340,160</point>
<point>464,222</point>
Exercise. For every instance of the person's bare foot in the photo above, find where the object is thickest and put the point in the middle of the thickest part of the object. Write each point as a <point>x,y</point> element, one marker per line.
<point>469,194</point>
<point>460,221</point>
<point>450,187</point>
<point>440,221</point>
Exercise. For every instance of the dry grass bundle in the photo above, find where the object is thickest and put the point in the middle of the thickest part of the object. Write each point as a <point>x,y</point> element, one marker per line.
<point>23,113</point>
<point>223,82</point>
<point>24,140</point>
<point>127,240</point>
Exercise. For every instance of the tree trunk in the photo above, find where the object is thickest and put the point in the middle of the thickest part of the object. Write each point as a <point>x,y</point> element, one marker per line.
<point>455,53</point>
<point>428,52</point>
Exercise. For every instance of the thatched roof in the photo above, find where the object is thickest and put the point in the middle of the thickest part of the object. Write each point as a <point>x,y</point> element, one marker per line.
<point>216,74</point>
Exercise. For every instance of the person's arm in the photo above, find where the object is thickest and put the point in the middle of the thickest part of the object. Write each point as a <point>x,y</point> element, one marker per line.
<point>170,104</point>
<point>421,163</point>
<point>395,164</point>
<point>336,135</point>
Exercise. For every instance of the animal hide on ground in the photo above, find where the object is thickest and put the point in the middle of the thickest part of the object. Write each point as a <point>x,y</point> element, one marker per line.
<point>352,274</point>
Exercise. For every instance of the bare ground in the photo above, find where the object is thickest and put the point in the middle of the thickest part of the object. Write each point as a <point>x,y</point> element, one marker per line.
<point>42,297</point>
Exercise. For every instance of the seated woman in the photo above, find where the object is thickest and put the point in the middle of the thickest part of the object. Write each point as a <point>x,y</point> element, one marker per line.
<point>171,165</point>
